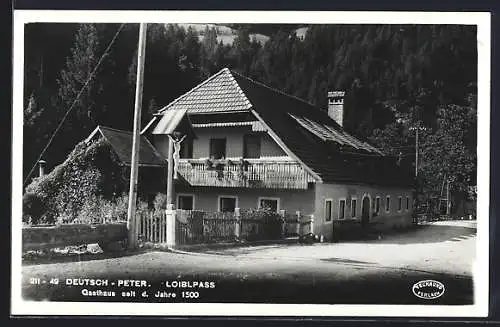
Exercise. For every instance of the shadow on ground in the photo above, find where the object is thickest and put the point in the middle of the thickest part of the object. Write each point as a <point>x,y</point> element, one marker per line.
<point>341,260</point>
<point>62,258</point>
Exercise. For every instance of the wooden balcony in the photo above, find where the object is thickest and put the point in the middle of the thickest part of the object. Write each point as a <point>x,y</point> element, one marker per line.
<point>251,173</point>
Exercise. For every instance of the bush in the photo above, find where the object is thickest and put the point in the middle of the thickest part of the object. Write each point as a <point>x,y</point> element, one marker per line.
<point>33,208</point>
<point>74,188</point>
<point>160,202</point>
<point>95,210</point>
<point>271,221</point>
<point>121,208</point>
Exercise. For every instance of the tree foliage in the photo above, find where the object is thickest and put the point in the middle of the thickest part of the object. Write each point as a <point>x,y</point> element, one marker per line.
<point>450,153</point>
<point>89,171</point>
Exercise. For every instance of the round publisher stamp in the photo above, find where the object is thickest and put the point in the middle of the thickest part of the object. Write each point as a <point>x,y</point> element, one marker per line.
<point>428,289</point>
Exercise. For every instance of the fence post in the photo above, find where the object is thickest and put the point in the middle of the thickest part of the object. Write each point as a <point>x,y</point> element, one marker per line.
<point>298,223</point>
<point>311,224</point>
<point>138,229</point>
<point>170,215</point>
<point>237,223</point>
<point>282,214</point>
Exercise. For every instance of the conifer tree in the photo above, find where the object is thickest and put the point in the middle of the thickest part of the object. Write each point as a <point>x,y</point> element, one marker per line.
<point>78,69</point>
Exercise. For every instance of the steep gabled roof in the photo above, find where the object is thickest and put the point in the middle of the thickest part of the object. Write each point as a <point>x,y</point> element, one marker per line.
<point>219,93</point>
<point>338,156</point>
<point>304,131</point>
<point>121,142</point>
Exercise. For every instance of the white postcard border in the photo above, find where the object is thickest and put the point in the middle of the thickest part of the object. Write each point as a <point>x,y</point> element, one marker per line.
<point>481,274</point>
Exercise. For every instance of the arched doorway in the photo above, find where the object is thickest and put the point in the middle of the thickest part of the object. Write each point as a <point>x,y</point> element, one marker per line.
<point>365,212</point>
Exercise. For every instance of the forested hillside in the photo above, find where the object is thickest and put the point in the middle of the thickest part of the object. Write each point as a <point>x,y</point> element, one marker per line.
<point>395,77</point>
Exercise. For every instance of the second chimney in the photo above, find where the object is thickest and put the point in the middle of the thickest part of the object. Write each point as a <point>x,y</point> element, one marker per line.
<point>336,106</point>
<point>41,168</point>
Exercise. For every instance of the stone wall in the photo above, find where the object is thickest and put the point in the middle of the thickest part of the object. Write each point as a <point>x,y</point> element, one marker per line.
<point>43,237</point>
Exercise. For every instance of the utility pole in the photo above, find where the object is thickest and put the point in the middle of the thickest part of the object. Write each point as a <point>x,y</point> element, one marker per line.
<point>448,204</point>
<point>134,165</point>
<point>416,152</point>
<point>170,172</point>
<point>416,128</point>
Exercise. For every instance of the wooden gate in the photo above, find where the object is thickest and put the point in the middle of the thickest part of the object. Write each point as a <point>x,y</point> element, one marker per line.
<point>152,227</point>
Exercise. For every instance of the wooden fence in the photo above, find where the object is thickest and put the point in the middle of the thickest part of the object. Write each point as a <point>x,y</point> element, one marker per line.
<point>152,227</point>
<point>198,227</point>
<point>195,227</point>
<point>191,227</point>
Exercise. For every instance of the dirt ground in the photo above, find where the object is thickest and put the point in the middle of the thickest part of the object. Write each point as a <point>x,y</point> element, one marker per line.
<point>376,271</point>
<point>446,247</point>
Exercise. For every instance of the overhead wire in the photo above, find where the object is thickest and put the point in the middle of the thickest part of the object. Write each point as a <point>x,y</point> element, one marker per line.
<point>59,126</point>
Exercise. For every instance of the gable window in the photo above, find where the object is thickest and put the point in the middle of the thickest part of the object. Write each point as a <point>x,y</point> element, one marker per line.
<point>353,207</point>
<point>218,148</point>
<point>227,203</point>
<point>341,209</point>
<point>407,203</point>
<point>377,204</point>
<point>400,203</point>
<point>269,203</point>
<point>251,146</point>
<point>186,150</point>
<point>388,204</point>
<point>328,210</point>
<point>185,201</point>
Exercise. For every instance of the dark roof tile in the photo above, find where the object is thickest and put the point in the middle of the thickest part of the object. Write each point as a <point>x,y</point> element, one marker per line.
<point>316,139</point>
<point>121,142</point>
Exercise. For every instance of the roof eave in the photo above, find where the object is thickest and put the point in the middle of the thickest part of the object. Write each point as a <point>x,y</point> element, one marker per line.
<point>285,148</point>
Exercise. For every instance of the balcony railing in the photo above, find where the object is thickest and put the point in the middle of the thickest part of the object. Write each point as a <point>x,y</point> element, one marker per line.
<point>252,173</point>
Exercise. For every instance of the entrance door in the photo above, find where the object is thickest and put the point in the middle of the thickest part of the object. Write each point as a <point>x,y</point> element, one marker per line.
<point>365,212</point>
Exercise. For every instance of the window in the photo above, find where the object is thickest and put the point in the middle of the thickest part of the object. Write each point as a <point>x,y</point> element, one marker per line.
<point>186,150</point>
<point>388,204</point>
<point>400,203</point>
<point>217,148</point>
<point>185,201</point>
<point>341,209</point>
<point>353,207</point>
<point>251,146</point>
<point>377,204</point>
<point>269,203</point>
<point>328,210</point>
<point>407,203</point>
<point>227,203</point>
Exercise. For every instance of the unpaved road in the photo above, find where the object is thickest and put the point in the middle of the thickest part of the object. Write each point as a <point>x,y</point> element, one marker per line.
<point>377,271</point>
<point>446,247</point>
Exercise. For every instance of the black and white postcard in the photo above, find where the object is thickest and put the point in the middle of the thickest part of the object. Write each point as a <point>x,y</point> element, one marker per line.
<point>218,163</point>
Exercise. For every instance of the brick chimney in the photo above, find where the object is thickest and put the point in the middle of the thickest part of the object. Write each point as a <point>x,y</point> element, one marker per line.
<point>336,106</point>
